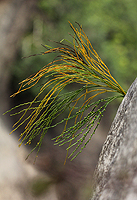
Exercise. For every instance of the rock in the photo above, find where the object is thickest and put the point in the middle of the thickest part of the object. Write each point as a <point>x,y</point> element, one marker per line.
<point>17,176</point>
<point>115,177</point>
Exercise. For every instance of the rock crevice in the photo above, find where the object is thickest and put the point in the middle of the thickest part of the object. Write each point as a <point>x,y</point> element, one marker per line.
<point>116,173</point>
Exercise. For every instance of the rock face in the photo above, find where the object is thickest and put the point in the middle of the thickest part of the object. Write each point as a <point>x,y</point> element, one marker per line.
<point>116,173</point>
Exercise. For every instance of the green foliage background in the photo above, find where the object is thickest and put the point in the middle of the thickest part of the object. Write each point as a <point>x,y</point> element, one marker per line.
<point>110,25</point>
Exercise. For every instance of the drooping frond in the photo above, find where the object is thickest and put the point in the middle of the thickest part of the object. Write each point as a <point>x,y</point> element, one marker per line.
<point>79,63</point>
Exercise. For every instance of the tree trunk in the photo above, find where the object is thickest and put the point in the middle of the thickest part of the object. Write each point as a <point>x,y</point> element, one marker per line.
<point>15,18</point>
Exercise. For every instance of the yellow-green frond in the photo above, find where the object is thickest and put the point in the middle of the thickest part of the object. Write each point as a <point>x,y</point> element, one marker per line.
<point>77,63</point>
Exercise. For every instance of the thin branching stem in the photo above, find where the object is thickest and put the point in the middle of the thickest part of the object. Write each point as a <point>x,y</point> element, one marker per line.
<point>76,63</point>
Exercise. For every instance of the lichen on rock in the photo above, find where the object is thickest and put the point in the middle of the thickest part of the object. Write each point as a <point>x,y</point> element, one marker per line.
<point>116,173</point>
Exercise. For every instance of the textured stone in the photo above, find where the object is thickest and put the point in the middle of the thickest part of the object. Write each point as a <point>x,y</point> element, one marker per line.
<point>116,173</point>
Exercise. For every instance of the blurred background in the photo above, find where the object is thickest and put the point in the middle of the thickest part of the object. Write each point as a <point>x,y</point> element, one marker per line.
<point>26,24</point>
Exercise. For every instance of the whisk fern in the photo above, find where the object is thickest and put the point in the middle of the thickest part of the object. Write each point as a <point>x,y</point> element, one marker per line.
<point>78,63</point>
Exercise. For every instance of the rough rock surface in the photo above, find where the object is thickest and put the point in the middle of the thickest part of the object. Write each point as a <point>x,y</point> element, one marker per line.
<point>116,173</point>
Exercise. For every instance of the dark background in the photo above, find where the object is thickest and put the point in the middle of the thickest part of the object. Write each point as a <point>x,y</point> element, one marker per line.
<point>26,24</point>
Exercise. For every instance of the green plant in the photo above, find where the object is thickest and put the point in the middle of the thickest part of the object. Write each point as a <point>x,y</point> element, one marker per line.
<point>77,63</point>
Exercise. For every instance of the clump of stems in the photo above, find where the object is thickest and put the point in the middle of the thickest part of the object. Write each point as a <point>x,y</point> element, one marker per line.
<point>76,63</point>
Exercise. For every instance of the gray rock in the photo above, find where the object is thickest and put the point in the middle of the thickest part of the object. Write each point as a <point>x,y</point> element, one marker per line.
<point>116,173</point>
